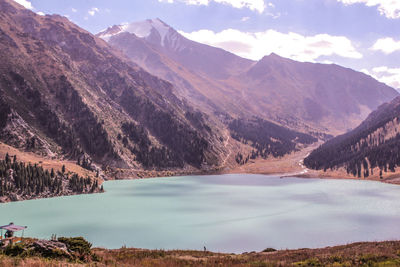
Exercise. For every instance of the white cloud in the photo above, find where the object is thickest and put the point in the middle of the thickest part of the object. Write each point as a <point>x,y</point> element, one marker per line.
<point>327,62</point>
<point>290,45</point>
<point>365,71</point>
<point>25,3</point>
<point>245,19</point>
<point>74,10</point>
<point>40,13</point>
<point>254,5</point>
<point>390,76</point>
<point>93,11</point>
<point>386,45</point>
<point>388,8</point>
<point>382,69</point>
<point>274,15</point>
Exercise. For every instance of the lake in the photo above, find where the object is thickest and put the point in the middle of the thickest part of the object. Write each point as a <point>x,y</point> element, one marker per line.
<point>226,213</point>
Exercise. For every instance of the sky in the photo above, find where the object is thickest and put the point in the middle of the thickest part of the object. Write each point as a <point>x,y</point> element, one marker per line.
<point>360,34</point>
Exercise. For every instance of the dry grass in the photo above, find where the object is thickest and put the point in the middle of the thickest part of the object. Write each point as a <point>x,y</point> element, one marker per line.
<point>35,262</point>
<point>46,163</point>
<point>356,254</point>
<point>388,177</point>
<point>288,164</point>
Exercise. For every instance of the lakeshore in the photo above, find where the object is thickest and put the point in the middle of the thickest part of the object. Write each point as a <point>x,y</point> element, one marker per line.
<point>356,254</point>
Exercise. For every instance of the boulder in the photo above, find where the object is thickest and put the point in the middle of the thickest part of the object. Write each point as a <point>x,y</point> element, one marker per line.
<point>50,248</point>
<point>14,197</point>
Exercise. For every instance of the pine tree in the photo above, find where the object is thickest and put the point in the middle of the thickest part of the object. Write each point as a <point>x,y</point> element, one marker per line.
<point>31,180</point>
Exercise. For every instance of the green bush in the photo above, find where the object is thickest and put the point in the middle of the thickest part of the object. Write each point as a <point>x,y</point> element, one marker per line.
<point>78,245</point>
<point>370,259</point>
<point>53,254</point>
<point>309,262</point>
<point>15,249</point>
<point>335,258</point>
<point>269,250</point>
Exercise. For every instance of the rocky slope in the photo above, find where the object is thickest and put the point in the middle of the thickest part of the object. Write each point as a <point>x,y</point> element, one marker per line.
<point>194,69</point>
<point>65,93</point>
<point>306,96</point>
<point>370,149</point>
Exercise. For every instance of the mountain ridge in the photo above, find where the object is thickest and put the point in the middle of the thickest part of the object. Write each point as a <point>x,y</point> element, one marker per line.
<point>305,96</point>
<point>72,102</point>
<point>67,94</point>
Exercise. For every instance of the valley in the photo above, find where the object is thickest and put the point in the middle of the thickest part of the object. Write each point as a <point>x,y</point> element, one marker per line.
<point>288,165</point>
<point>206,110</point>
<point>268,160</point>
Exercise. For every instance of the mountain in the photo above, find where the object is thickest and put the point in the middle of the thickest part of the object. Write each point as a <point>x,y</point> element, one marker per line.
<point>320,94</point>
<point>197,71</point>
<point>372,147</point>
<point>305,96</point>
<point>203,59</point>
<point>65,92</point>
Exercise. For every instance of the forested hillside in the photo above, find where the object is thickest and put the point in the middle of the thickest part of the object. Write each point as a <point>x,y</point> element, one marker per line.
<point>267,138</point>
<point>374,145</point>
<point>26,181</point>
<point>65,93</point>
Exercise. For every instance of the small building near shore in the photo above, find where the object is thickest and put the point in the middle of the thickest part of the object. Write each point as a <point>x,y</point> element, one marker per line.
<point>9,236</point>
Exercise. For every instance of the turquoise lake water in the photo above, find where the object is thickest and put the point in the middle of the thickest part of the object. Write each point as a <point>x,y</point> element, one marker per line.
<point>226,213</point>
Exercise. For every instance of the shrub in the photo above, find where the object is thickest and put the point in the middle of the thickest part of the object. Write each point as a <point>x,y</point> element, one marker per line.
<point>78,245</point>
<point>15,249</point>
<point>309,262</point>
<point>269,250</point>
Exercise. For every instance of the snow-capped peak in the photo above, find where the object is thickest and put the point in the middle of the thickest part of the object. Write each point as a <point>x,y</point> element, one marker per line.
<point>141,29</point>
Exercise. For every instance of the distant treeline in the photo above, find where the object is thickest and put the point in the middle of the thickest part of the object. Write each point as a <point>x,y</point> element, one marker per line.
<point>364,148</point>
<point>360,162</point>
<point>267,138</point>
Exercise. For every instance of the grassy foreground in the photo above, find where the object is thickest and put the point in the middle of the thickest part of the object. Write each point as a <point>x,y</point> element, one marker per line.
<point>80,254</point>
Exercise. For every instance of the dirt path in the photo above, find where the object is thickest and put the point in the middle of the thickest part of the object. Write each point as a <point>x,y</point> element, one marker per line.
<point>289,165</point>
<point>226,143</point>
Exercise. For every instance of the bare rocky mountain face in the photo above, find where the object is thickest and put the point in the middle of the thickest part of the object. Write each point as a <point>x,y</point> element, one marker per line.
<point>304,96</point>
<point>371,149</point>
